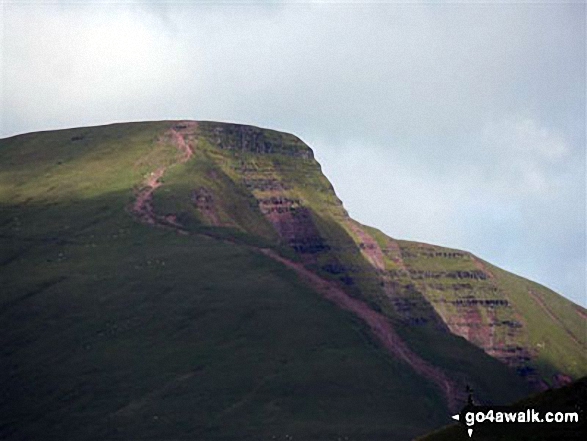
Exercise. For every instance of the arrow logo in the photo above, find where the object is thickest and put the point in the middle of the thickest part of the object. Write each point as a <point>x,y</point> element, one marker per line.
<point>457,418</point>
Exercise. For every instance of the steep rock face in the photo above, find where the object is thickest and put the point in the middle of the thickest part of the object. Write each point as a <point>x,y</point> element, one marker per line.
<point>267,166</point>
<point>449,289</point>
<point>496,311</point>
<point>240,138</point>
<point>293,223</point>
<point>469,300</point>
<point>414,284</point>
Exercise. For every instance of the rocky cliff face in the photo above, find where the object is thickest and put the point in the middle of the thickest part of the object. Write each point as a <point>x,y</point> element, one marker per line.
<point>249,139</point>
<point>288,199</point>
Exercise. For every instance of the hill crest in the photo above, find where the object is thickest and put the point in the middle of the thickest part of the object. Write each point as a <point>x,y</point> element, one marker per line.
<point>448,317</point>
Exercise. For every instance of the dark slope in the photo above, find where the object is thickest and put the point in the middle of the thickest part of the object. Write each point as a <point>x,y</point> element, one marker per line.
<point>572,398</point>
<point>137,301</point>
<point>153,336</point>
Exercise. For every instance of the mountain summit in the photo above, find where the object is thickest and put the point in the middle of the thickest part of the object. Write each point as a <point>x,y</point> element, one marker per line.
<point>202,280</point>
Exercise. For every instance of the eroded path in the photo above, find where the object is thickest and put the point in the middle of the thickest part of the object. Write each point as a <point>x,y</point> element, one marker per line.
<point>377,322</point>
<point>142,207</point>
<point>381,328</point>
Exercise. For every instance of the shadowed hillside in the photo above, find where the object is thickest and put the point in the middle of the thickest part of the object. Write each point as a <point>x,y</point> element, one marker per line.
<point>202,280</point>
<point>572,396</point>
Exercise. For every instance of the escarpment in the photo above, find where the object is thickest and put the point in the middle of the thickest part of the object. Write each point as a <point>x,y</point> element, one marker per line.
<point>293,222</point>
<point>236,137</point>
<point>471,303</point>
<point>229,276</point>
<point>267,184</point>
<point>238,181</point>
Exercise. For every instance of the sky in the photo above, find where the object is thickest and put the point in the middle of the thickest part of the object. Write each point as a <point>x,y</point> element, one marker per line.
<point>460,124</point>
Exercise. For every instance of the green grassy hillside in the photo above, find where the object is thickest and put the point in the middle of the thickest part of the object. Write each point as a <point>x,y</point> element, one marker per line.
<point>522,323</point>
<point>163,320</point>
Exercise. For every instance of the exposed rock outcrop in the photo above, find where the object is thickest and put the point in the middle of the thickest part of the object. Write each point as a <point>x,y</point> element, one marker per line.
<point>236,137</point>
<point>203,200</point>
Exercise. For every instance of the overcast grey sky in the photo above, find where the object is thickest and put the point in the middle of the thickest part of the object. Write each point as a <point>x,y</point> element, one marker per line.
<point>456,124</point>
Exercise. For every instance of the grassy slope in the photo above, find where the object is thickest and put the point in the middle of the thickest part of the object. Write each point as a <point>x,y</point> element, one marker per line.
<point>556,336</point>
<point>115,329</point>
<point>189,337</point>
<point>550,338</point>
<point>121,329</point>
<point>559,344</point>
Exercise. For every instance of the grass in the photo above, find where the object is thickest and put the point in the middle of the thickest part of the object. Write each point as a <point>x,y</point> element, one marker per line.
<point>551,338</point>
<point>114,329</point>
<point>117,314</point>
<point>557,345</point>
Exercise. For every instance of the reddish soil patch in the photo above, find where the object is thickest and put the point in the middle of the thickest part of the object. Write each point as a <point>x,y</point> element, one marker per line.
<point>143,206</point>
<point>294,224</point>
<point>393,251</point>
<point>562,380</point>
<point>581,313</point>
<point>470,326</point>
<point>480,265</point>
<point>369,247</point>
<point>182,145</point>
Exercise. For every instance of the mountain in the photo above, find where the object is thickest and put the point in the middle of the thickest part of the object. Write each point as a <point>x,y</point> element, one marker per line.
<point>202,280</point>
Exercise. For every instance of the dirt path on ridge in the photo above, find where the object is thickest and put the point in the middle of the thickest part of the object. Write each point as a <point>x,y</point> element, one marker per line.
<point>142,207</point>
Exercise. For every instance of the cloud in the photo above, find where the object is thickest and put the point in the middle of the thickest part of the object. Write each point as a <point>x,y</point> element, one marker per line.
<point>459,124</point>
<point>98,63</point>
<point>527,159</point>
